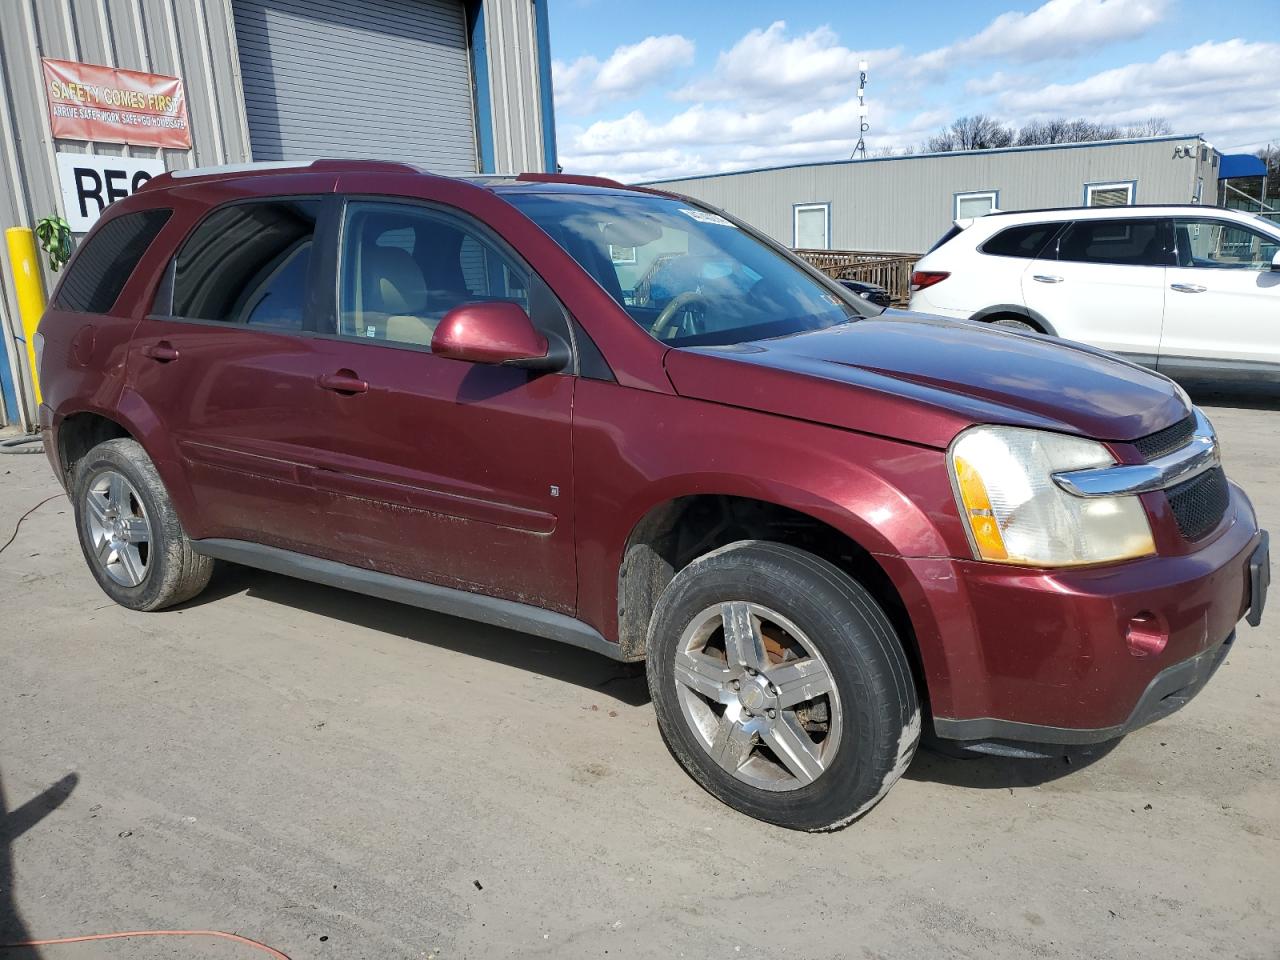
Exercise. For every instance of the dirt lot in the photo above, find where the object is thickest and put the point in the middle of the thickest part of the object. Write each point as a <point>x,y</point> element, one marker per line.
<point>341,777</point>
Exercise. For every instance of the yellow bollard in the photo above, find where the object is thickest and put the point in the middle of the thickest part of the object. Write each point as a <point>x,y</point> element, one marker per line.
<point>28,284</point>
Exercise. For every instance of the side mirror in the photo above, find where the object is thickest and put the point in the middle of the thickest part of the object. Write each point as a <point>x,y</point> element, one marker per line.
<point>496,332</point>
<point>1275,262</point>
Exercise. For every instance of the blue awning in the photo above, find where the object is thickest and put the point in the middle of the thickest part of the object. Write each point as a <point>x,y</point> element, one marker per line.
<point>1241,165</point>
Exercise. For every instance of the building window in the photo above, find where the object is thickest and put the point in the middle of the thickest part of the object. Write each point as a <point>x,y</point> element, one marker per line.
<point>812,226</point>
<point>977,203</point>
<point>1118,194</point>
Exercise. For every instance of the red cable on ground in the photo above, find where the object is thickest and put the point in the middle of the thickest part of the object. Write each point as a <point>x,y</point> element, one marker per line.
<point>270,951</point>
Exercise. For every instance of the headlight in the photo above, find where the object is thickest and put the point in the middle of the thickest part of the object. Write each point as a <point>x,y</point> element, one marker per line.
<point>1015,513</point>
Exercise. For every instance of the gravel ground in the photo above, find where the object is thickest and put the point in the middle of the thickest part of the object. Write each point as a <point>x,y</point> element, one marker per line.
<point>342,777</point>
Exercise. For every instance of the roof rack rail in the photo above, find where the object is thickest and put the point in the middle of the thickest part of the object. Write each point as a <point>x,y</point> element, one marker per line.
<point>321,166</point>
<point>568,178</point>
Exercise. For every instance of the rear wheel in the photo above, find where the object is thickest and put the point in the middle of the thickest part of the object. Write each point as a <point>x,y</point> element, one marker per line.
<point>780,686</point>
<point>130,535</point>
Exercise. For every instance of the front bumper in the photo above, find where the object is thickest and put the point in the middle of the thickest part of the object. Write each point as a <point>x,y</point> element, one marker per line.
<point>1079,656</point>
<point>1169,690</point>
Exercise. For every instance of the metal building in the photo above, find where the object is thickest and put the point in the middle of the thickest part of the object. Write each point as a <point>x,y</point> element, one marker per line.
<point>904,204</point>
<point>459,86</point>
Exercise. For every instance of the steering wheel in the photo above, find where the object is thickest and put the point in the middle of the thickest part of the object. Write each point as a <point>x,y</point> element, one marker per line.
<point>662,326</point>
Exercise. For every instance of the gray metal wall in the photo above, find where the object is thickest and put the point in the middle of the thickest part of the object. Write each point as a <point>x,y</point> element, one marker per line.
<point>904,204</point>
<point>196,40</point>
<point>514,78</point>
<point>192,39</point>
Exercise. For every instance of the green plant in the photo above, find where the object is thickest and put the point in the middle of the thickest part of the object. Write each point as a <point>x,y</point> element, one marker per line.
<point>54,235</point>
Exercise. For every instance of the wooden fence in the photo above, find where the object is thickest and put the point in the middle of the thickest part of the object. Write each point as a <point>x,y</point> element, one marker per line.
<point>889,270</point>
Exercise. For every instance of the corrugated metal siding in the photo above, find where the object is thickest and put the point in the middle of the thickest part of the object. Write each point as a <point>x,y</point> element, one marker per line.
<point>512,41</point>
<point>187,38</point>
<point>904,204</point>
<point>380,78</point>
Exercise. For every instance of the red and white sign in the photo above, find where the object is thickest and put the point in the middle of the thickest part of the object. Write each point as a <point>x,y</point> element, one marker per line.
<point>111,105</point>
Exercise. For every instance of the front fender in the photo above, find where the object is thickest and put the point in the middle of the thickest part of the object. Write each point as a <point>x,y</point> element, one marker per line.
<point>636,451</point>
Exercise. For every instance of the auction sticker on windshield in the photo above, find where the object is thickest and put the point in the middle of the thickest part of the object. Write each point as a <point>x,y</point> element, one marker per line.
<point>703,216</point>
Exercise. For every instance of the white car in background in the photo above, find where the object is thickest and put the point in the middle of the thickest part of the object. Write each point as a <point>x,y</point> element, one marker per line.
<point>1193,291</point>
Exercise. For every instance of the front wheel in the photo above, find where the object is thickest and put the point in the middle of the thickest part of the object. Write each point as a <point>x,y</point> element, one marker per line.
<point>1011,323</point>
<point>780,686</point>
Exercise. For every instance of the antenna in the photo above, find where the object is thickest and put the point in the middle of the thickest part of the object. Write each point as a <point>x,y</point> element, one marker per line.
<point>860,149</point>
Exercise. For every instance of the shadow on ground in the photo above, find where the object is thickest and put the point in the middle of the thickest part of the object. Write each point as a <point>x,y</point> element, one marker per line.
<point>981,772</point>
<point>13,824</point>
<point>557,661</point>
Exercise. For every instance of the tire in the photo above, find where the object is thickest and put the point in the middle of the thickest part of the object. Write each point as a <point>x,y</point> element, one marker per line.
<point>129,533</point>
<point>1010,323</point>
<point>841,653</point>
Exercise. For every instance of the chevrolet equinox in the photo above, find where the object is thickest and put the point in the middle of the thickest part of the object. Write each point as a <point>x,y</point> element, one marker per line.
<point>621,419</point>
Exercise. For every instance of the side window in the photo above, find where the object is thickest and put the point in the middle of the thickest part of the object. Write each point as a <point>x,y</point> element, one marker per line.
<point>1222,245</point>
<point>248,263</point>
<point>1125,242</point>
<point>103,266</point>
<point>1026,241</point>
<point>404,267</point>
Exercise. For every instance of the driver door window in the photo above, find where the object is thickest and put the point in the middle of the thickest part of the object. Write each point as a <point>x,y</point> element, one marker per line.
<point>1216,244</point>
<point>404,267</point>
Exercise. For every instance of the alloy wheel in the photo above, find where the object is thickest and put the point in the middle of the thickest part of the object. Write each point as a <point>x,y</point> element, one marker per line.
<point>117,528</point>
<point>758,696</point>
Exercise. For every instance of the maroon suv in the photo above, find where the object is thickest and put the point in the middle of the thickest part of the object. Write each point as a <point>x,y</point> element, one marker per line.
<point>624,420</point>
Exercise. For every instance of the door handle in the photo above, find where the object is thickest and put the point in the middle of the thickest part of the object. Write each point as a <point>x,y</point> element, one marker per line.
<point>344,382</point>
<point>162,352</point>
<point>1187,287</point>
<point>1046,278</point>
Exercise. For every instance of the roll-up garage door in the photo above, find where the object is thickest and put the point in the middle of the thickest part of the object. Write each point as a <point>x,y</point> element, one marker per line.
<point>387,79</point>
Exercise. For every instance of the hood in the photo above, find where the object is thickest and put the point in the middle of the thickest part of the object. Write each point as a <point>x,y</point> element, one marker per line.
<point>923,379</point>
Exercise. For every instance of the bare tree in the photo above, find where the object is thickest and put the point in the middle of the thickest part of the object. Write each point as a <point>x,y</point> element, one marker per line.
<point>978,132</point>
<point>981,132</point>
<point>1039,132</point>
<point>1151,127</point>
<point>1270,155</point>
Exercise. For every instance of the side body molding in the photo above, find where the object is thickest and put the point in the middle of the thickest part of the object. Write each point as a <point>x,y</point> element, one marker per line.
<point>429,596</point>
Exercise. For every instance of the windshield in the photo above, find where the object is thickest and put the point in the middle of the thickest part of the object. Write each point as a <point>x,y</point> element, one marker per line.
<point>686,275</point>
<point>1271,221</point>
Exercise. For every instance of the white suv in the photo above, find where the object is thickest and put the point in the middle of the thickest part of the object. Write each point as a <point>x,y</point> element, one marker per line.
<point>1190,290</point>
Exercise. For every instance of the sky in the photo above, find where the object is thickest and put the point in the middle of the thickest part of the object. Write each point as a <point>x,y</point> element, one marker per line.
<point>663,88</point>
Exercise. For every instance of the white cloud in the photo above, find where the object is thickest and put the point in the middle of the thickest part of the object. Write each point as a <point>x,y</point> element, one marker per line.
<point>776,97</point>
<point>705,139</point>
<point>582,85</point>
<point>1059,28</point>
<point>1224,90</point>
<point>768,65</point>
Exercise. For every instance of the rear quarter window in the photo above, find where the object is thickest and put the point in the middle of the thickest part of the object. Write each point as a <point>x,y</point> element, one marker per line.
<point>107,260</point>
<point>945,239</point>
<point>1025,241</point>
